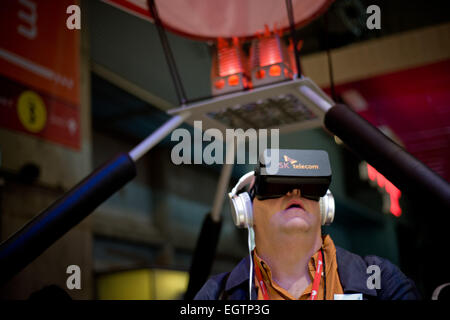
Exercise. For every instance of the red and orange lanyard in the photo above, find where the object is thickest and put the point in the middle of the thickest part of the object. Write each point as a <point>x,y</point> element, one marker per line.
<point>315,286</point>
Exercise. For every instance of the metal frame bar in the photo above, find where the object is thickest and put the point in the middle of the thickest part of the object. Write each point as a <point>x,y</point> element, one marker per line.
<point>157,136</point>
<point>168,53</point>
<point>290,13</point>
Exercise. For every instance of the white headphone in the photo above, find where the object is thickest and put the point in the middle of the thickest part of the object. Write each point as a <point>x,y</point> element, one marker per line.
<point>242,207</point>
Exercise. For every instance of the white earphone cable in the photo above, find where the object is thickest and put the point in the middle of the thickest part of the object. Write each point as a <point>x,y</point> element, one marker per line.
<point>251,246</point>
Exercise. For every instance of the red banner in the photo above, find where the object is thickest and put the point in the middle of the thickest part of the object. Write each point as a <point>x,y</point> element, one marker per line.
<point>39,114</point>
<point>40,57</point>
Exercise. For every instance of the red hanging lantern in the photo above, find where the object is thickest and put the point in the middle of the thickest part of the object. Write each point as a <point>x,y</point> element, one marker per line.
<point>270,59</point>
<point>228,68</point>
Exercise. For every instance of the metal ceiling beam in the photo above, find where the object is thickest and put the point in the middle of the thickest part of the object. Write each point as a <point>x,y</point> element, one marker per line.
<point>130,87</point>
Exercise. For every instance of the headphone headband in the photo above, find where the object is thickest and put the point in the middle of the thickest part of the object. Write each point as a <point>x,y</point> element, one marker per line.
<point>244,180</point>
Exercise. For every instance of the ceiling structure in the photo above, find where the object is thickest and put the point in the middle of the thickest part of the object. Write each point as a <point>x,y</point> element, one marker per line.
<point>126,50</point>
<point>129,47</point>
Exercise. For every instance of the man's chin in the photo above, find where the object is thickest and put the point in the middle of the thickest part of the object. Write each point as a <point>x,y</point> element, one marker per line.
<point>296,225</point>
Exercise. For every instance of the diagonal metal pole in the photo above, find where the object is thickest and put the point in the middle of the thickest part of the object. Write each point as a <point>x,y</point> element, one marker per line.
<point>168,53</point>
<point>76,204</point>
<point>52,223</point>
<point>158,135</point>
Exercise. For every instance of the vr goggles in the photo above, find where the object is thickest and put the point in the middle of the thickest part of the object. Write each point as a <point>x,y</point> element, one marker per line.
<point>306,170</point>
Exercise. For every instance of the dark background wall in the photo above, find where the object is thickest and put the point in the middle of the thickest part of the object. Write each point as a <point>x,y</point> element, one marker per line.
<point>154,221</point>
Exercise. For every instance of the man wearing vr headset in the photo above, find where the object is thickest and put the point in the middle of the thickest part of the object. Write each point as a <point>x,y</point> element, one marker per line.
<point>289,257</point>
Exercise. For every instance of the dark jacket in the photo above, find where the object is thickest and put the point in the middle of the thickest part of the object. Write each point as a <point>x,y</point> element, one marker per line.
<point>352,270</point>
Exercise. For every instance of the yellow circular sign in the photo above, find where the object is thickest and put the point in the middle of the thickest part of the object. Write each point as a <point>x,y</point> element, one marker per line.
<point>32,112</point>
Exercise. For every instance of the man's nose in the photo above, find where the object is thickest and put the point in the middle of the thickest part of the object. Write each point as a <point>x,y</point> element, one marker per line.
<point>295,192</point>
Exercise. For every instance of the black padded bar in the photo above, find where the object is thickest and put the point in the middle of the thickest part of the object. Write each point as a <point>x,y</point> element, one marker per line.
<point>204,254</point>
<point>47,227</point>
<point>397,165</point>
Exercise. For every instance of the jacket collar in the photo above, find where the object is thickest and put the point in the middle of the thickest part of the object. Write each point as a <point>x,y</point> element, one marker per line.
<point>240,276</point>
<point>352,271</point>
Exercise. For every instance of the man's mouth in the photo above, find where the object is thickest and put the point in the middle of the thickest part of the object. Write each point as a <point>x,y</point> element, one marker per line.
<point>294,204</point>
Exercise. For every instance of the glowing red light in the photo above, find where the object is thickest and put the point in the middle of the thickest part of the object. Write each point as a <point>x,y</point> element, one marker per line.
<point>233,80</point>
<point>229,58</point>
<point>371,172</point>
<point>260,74</point>
<point>219,84</point>
<point>228,72</point>
<point>270,51</point>
<point>245,82</point>
<point>381,180</point>
<point>275,71</point>
<point>393,191</point>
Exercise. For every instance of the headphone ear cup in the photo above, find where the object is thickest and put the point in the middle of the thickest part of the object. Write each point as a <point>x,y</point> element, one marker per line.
<point>327,208</point>
<point>242,210</point>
